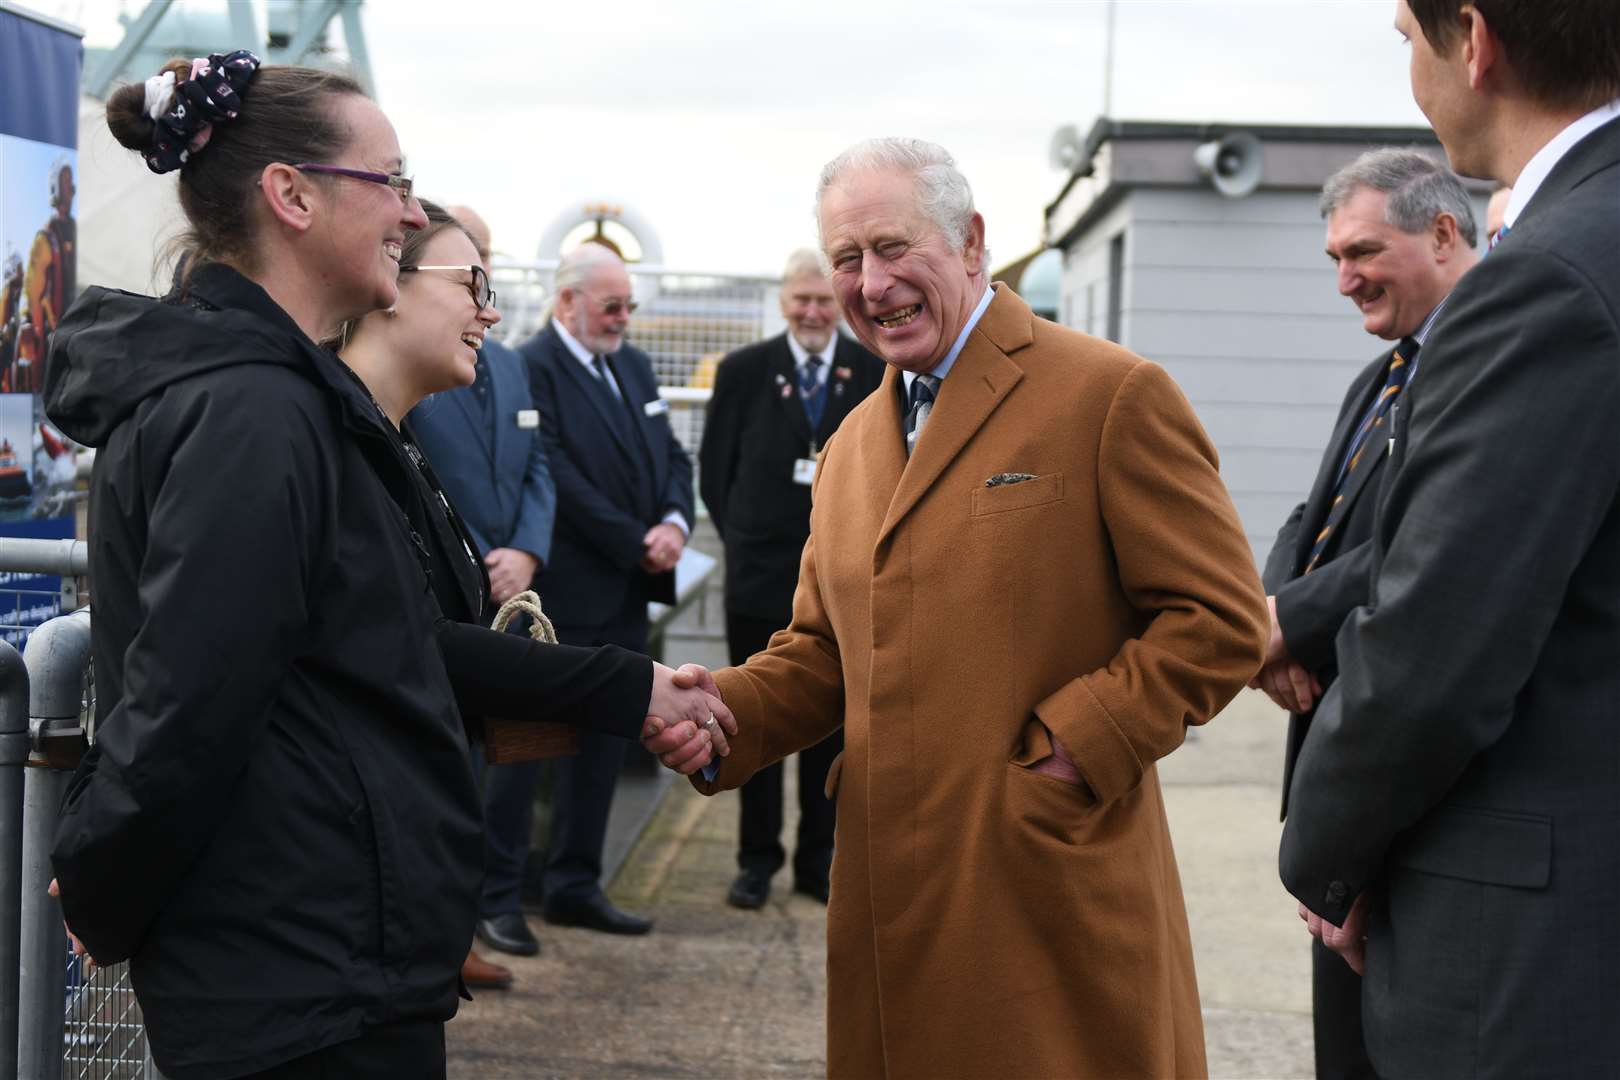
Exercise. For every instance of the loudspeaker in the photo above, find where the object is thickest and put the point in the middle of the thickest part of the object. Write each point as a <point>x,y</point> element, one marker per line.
<point>1232,164</point>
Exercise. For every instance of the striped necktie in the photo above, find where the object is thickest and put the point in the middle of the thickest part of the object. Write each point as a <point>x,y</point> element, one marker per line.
<point>923,389</point>
<point>1400,368</point>
<point>811,390</point>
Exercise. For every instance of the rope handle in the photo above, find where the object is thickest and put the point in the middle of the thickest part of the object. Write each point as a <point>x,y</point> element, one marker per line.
<point>526,603</point>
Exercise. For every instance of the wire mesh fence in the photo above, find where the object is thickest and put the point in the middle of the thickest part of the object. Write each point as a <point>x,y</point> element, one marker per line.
<point>102,1036</point>
<point>686,322</point>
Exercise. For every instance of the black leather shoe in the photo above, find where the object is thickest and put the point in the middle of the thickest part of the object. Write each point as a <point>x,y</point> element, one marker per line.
<point>596,914</point>
<point>815,889</point>
<point>749,891</point>
<point>509,933</point>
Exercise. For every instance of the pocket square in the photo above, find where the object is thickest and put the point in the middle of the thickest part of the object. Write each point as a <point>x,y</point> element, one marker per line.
<point>1008,478</point>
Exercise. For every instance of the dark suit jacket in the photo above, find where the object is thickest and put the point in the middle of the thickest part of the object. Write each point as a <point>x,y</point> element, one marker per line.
<point>495,473</point>
<point>752,435</point>
<point>610,490</point>
<point>1311,607</point>
<point>1467,761</point>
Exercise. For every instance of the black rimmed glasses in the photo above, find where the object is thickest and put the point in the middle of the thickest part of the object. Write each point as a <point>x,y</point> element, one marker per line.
<point>482,294</point>
<point>401,184</point>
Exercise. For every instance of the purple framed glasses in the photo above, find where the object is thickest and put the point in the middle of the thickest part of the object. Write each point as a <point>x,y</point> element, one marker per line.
<point>401,184</point>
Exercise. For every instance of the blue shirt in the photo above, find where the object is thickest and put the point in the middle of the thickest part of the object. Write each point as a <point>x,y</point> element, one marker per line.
<point>943,368</point>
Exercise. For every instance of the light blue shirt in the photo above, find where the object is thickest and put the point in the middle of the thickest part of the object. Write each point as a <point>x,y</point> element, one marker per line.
<point>943,368</point>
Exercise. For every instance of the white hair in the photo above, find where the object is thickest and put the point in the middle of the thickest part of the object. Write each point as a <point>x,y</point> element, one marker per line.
<point>577,265</point>
<point>942,191</point>
<point>572,270</point>
<point>806,262</point>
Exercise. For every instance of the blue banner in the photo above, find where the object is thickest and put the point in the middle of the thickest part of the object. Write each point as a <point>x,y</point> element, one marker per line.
<point>40,66</point>
<point>39,81</point>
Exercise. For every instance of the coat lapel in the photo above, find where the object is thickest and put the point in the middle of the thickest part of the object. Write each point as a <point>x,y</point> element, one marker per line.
<point>635,401</point>
<point>475,421</point>
<point>784,389</point>
<point>980,380</point>
<point>840,398</point>
<point>592,390</point>
<point>1316,503</point>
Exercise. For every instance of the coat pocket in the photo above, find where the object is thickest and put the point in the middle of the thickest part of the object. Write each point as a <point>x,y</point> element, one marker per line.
<point>995,500</point>
<point>835,772</point>
<point>1492,847</point>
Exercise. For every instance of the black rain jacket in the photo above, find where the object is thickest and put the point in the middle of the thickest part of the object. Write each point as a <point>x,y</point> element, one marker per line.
<point>278,824</point>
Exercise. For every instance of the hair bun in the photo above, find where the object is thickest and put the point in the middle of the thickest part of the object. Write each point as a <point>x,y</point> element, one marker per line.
<point>126,110</point>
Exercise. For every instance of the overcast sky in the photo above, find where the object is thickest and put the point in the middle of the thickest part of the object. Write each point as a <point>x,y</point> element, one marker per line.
<point>713,118</point>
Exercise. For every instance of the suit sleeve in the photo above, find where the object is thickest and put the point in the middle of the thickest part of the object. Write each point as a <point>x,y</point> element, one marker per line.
<point>717,455</point>
<point>1185,565</point>
<point>789,697</point>
<point>1280,561</point>
<point>580,506</point>
<point>1510,467</point>
<point>537,510</point>
<point>678,495</point>
<point>1312,607</point>
<point>146,800</point>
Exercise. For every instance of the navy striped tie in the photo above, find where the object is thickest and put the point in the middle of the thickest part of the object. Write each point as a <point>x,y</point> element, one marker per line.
<point>1400,368</point>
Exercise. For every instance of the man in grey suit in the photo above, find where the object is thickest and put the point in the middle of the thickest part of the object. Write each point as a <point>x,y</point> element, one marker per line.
<point>1453,821</point>
<point>484,443</point>
<point>1401,231</point>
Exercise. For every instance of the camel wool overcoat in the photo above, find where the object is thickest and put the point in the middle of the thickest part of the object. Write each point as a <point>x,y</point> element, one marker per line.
<point>988,920</point>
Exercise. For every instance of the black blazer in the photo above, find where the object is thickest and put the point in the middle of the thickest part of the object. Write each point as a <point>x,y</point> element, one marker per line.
<point>1311,607</point>
<point>756,428</point>
<point>1467,760</point>
<point>610,489</point>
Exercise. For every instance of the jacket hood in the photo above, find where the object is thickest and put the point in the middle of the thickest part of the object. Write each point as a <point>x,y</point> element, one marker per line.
<point>114,349</point>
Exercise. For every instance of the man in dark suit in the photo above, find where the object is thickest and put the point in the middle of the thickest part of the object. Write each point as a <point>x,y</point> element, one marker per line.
<point>1401,231</point>
<point>1452,823</point>
<point>484,443</point>
<point>624,511</point>
<point>775,404</point>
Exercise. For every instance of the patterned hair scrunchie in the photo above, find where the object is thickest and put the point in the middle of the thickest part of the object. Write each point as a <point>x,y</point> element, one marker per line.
<point>210,96</point>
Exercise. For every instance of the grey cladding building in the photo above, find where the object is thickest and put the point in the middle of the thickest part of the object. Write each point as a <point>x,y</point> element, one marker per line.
<point>1231,293</point>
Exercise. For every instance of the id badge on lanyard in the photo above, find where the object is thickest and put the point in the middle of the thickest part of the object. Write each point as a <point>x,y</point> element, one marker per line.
<point>804,469</point>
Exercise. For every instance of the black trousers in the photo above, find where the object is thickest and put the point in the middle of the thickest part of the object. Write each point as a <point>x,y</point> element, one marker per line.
<point>583,793</point>
<point>508,792</point>
<point>759,846</point>
<point>411,1050</point>
<point>1341,1047</point>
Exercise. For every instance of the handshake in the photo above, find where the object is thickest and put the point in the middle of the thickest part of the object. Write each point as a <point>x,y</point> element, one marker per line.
<point>687,724</point>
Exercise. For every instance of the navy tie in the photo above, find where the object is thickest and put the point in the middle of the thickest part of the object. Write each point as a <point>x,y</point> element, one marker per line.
<point>923,389</point>
<point>811,390</point>
<point>1372,425</point>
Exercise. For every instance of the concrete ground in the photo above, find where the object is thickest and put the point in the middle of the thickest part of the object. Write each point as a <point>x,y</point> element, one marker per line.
<point>715,992</point>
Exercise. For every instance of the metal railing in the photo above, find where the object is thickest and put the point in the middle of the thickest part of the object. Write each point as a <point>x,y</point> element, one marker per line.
<point>58,1020</point>
<point>685,321</point>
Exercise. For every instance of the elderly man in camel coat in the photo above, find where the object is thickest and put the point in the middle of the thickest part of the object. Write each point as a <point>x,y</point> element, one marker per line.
<point>1012,622</point>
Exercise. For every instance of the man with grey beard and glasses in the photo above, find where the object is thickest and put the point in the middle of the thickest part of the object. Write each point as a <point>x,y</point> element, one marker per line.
<point>624,511</point>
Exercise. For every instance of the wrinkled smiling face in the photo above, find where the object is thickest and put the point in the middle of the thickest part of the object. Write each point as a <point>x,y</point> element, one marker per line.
<point>1391,276</point>
<point>811,311</point>
<point>585,309</point>
<point>904,291</point>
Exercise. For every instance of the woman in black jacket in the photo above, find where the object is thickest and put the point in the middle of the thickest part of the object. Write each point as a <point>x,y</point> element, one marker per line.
<point>278,825</point>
